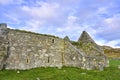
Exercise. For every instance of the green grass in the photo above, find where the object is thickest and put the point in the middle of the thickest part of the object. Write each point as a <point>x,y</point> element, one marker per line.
<point>114,63</point>
<point>66,73</point>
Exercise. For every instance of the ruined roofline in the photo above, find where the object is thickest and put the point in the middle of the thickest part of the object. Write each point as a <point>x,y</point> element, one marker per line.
<point>48,35</point>
<point>67,38</point>
<point>24,31</point>
<point>85,37</point>
<point>4,25</point>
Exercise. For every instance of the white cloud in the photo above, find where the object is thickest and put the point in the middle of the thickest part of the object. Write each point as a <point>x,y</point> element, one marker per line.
<point>33,25</point>
<point>100,42</point>
<point>34,18</point>
<point>43,11</point>
<point>69,25</point>
<point>10,27</point>
<point>113,43</point>
<point>109,31</point>
<point>113,22</point>
<point>12,18</point>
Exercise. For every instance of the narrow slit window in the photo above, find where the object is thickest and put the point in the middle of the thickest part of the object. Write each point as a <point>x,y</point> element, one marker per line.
<point>48,59</point>
<point>27,61</point>
<point>53,40</point>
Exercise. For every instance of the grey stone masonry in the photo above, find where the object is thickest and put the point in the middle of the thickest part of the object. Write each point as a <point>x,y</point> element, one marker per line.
<point>92,50</point>
<point>3,45</point>
<point>26,50</point>
<point>66,38</point>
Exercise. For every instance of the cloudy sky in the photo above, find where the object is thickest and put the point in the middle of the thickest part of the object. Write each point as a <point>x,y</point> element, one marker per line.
<point>100,18</point>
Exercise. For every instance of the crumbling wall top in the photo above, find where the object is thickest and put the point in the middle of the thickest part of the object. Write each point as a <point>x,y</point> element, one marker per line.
<point>3,25</point>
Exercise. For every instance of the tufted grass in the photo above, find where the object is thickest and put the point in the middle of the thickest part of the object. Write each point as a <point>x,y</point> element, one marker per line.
<point>66,73</point>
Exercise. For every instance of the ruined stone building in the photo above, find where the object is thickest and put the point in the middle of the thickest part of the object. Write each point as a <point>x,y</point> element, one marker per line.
<point>25,50</point>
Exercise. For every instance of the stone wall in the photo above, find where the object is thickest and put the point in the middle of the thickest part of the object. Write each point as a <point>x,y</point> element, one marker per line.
<point>3,45</point>
<point>29,50</point>
<point>25,50</point>
<point>72,56</point>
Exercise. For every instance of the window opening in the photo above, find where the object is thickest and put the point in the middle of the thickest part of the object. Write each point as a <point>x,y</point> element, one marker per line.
<point>27,61</point>
<point>48,59</point>
<point>53,40</point>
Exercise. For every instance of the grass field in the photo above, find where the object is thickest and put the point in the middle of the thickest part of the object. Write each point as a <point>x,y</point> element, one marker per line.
<point>66,73</point>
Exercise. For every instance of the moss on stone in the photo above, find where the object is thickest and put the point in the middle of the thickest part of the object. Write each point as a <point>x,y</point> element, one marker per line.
<point>78,44</point>
<point>2,53</point>
<point>86,47</point>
